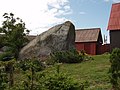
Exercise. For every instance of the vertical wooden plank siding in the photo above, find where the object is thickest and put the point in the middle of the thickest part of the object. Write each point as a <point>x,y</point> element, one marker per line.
<point>88,47</point>
<point>92,48</point>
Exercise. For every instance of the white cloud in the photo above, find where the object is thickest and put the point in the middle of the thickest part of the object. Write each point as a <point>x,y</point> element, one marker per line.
<point>106,0</point>
<point>82,13</point>
<point>116,1</point>
<point>38,15</point>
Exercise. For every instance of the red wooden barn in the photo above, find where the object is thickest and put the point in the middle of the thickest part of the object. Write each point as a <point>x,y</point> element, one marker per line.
<point>89,40</point>
<point>114,26</point>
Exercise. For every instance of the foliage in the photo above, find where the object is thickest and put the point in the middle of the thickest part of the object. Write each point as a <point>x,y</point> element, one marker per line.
<point>30,63</point>
<point>91,75</point>
<point>115,68</point>
<point>13,38</point>
<point>6,56</point>
<point>70,56</point>
<point>14,33</point>
<point>3,79</point>
<point>59,81</point>
<point>30,67</point>
<point>35,80</point>
<point>1,40</point>
<point>6,73</point>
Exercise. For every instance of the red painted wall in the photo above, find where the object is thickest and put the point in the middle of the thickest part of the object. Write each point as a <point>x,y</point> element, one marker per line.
<point>79,46</point>
<point>92,48</point>
<point>89,48</point>
<point>103,48</point>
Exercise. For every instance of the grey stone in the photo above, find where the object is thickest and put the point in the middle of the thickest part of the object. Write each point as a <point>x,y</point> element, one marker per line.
<point>58,38</point>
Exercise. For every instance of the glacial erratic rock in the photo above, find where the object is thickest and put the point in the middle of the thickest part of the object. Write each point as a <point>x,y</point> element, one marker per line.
<point>58,38</point>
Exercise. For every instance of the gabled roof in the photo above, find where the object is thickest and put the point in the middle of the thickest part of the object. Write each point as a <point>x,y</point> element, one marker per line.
<point>87,35</point>
<point>114,20</point>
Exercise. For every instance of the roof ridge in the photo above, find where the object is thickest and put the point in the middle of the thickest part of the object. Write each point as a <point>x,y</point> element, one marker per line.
<point>114,18</point>
<point>89,29</point>
<point>116,3</point>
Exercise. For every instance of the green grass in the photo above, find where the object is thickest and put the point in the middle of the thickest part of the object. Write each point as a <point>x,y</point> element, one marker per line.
<point>94,73</point>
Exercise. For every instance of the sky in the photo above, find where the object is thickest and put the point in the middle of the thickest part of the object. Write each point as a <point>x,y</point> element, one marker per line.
<point>40,15</point>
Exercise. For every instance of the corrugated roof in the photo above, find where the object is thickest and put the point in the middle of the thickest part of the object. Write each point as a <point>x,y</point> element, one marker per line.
<point>114,20</point>
<point>87,35</point>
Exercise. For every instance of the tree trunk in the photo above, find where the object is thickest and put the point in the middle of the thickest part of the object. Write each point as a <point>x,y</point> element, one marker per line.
<point>11,79</point>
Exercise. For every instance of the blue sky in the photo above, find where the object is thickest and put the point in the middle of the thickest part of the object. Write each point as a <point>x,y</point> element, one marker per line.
<point>91,14</point>
<point>40,15</point>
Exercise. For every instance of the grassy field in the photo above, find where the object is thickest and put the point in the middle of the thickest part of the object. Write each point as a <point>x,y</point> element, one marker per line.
<point>94,73</point>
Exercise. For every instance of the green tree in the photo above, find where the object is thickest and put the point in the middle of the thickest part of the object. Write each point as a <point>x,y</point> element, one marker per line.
<point>13,37</point>
<point>14,33</point>
<point>1,41</point>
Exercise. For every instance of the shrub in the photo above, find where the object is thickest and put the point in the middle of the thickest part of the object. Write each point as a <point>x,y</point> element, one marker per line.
<point>115,69</point>
<point>28,64</point>
<point>3,79</point>
<point>32,66</point>
<point>50,61</point>
<point>70,56</point>
<point>59,81</point>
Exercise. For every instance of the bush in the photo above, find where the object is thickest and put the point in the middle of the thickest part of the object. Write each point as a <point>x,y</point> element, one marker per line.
<point>30,68</point>
<point>70,56</point>
<point>115,69</point>
<point>3,79</point>
<point>28,64</point>
<point>59,81</point>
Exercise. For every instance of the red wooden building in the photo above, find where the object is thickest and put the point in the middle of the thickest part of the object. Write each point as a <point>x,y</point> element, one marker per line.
<point>90,40</point>
<point>114,26</point>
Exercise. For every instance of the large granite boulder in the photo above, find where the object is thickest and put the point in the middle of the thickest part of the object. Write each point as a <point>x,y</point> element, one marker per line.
<point>58,38</point>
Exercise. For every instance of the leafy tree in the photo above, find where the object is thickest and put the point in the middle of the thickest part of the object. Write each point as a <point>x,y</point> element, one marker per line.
<point>13,37</point>
<point>14,33</point>
<point>1,41</point>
